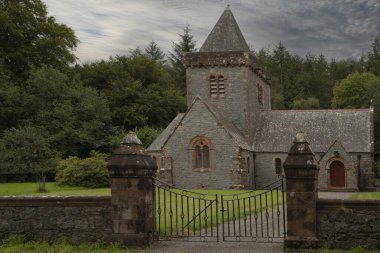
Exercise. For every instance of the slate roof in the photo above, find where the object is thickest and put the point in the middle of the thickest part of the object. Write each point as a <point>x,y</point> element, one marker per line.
<point>225,36</point>
<point>352,128</point>
<point>169,130</point>
<point>230,128</point>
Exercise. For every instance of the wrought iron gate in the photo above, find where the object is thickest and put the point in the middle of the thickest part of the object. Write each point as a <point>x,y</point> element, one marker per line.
<point>185,215</point>
<point>257,216</point>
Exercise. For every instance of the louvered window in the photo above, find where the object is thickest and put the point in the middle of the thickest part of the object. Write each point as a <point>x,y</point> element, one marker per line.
<point>217,86</point>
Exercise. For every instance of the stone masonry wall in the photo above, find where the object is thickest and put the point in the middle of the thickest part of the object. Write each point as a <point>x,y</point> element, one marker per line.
<point>265,168</point>
<point>76,219</point>
<point>233,104</point>
<point>345,224</point>
<point>224,153</point>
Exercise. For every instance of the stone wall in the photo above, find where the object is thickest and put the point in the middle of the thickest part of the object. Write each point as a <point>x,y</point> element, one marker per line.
<point>76,219</point>
<point>224,153</point>
<point>265,168</point>
<point>346,224</point>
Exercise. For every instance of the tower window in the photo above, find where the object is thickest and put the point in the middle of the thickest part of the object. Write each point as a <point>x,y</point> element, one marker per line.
<point>217,86</point>
<point>200,148</point>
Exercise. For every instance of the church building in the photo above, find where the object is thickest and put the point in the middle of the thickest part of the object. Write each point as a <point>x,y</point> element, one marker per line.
<point>229,137</point>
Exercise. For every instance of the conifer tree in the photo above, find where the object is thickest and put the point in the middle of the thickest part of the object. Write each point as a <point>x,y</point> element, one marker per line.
<point>184,45</point>
<point>154,52</point>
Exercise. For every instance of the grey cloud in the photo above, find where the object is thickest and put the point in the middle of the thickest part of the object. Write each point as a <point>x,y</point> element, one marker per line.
<point>339,29</point>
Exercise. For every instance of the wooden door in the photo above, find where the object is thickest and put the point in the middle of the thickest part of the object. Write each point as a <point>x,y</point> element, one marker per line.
<point>337,174</point>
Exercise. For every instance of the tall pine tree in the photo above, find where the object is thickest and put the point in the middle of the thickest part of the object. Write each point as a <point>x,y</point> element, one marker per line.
<point>184,45</point>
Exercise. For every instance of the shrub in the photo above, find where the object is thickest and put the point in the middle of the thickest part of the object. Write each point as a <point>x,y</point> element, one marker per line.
<point>377,169</point>
<point>89,172</point>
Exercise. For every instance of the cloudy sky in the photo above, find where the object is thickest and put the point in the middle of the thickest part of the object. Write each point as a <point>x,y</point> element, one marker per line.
<point>339,28</point>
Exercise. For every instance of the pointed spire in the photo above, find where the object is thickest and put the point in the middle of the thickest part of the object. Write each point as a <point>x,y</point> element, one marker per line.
<point>225,36</point>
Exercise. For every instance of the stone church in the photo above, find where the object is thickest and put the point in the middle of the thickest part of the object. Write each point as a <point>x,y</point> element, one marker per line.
<point>229,137</point>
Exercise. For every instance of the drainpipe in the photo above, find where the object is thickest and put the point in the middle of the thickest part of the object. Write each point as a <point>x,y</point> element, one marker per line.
<point>359,169</point>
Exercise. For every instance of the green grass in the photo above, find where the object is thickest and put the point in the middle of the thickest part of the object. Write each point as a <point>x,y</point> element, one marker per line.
<point>366,195</point>
<point>30,189</point>
<point>15,245</point>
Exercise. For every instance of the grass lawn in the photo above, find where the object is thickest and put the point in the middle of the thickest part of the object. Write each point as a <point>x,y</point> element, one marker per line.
<point>366,195</point>
<point>30,189</point>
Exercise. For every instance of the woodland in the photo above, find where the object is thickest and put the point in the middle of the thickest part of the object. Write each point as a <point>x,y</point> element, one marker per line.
<point>58,117</point>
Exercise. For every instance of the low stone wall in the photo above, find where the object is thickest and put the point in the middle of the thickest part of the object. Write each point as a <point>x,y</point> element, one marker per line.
<point>346,224</point>
<point>75,219</point>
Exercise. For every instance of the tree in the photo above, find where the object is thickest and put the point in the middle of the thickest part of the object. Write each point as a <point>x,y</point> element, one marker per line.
<point>352,92</point>
<point>154,53</point>
<point>75,117</point>
<point>140,91</point>
<point>373,58</point>
<point>184,45</point>
<point>26,150</point>
<point>29,38</point>
<point>309,103</point>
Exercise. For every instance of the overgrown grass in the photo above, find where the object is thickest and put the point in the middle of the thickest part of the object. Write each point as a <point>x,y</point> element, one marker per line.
<point>366,195</point>
<point>30,189</point>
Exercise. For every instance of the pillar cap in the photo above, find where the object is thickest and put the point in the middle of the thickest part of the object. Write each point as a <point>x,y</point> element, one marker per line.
<point>131,138</point>
<point>300,155</point>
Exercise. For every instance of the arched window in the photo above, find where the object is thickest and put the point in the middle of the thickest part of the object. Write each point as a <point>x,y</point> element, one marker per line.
<point>217,86</point>
<point>277,165</point>
<point>260,95</point>
<point>200,148</point>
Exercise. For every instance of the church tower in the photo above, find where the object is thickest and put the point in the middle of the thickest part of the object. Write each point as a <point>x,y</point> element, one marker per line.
<point>225,74</point>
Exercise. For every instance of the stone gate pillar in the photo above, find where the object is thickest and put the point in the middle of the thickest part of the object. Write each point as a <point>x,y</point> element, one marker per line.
<point>132,192</point>
<point>301,173</point>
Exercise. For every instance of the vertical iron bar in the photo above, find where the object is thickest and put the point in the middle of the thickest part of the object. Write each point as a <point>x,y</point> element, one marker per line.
<point>272,207</point>
<point>200,216</point>
<point>164,211</point>
<point>278,214</point>
<point>266,212</point>
<point>188,215</point>
<point>159,211</point>
<point>261,215</point>
<point>171,214</point>
<point>283,206</point>
<point>211,227</point>
<point>206,216</point>
<point>182,216</point>
<point>239,217</point>
<point>233,215</point>
<point>255,216</point>
<point>216,212</point>
<point>250,216</point>
<point>222,217</point>
<point>228,217</point>
<point>194,217</point>
<point>176,214</point>
<point>245,218</point>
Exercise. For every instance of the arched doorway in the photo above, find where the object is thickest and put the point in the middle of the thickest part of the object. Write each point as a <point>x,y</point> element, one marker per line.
<point>337,174</point>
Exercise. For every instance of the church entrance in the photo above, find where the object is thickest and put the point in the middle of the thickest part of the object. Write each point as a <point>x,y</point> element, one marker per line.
<point>337,174</point>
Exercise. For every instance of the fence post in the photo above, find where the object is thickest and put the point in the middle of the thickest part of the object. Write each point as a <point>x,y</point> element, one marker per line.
<point>301,173</point>
<point>132,193</point>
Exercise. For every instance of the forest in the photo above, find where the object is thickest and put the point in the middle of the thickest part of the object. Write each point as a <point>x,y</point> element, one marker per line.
<point>55,113</point>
